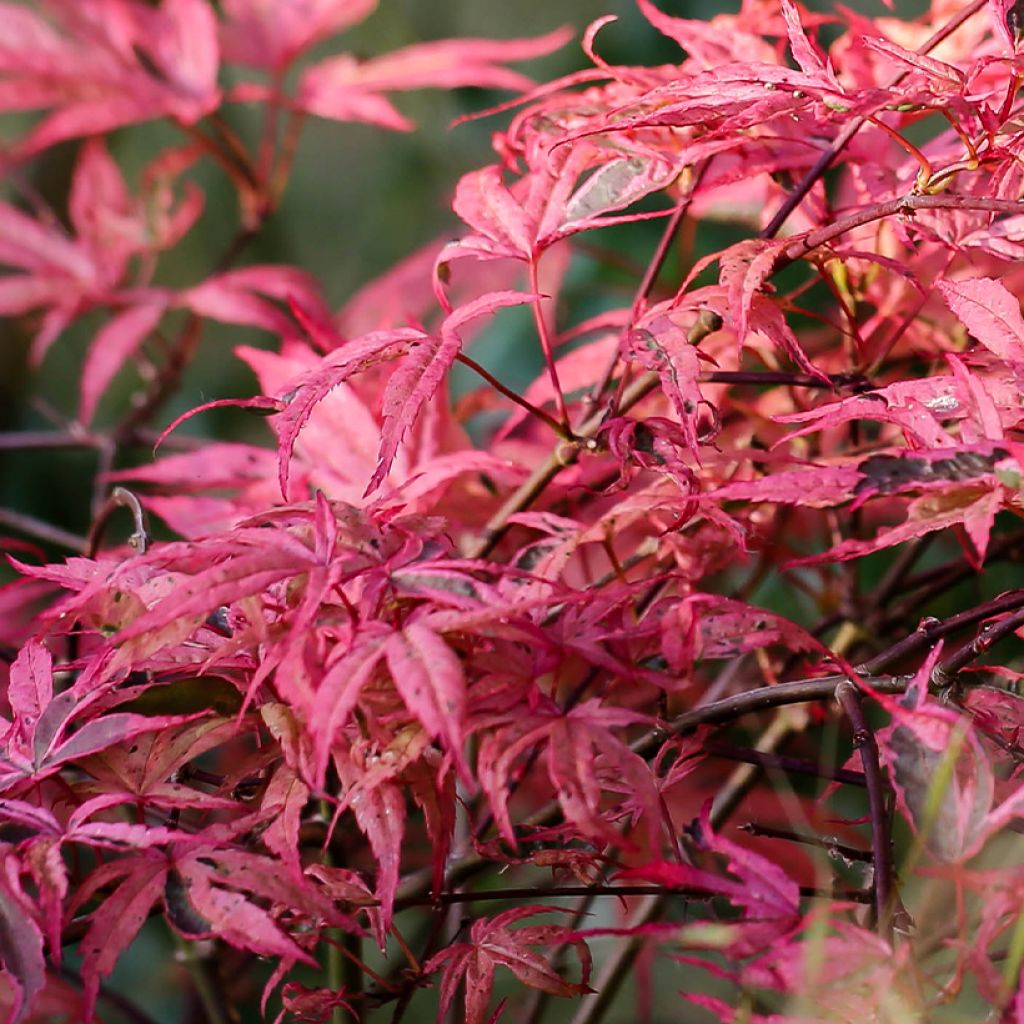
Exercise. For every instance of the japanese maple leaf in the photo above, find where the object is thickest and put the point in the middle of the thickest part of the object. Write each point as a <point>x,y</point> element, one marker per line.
<point>37,742</point>
<point>207,890</point>
<point>966,485</point>
<point>990,312</point>
<point>21,940</point>
<point>767,896</point>
<point>494,943</point>
<point>942,773</point>
<point>557,200</point>
<point>98,64</point>
<point>268,35</point>
<point>426,359</point>
<point>67,275</point>
<point>345,88</point>
<point>577,746</point>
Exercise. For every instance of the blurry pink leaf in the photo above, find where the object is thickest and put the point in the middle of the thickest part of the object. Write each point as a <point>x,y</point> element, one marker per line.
<point>269,35</point>
<point>21,950</point>
<point>241,297</point>
<point>100,65</point>
<point>347,89</point>
<point>942,74</point>
<point>942,777</point>
<point>110,349</point>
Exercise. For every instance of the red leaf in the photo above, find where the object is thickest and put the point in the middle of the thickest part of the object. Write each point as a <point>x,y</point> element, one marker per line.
<point>241,297</point>
<point>345,88</point>
<point>493,943</point>
<point>106,65</point>
<point>335,368</point>
<point>118,919</point>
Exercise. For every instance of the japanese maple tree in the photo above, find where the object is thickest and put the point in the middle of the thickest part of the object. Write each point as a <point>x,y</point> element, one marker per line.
<point>699,651</point>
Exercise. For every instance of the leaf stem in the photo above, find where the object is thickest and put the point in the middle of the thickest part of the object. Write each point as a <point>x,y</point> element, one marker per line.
<point>546,346</point>
<point>512,396</point>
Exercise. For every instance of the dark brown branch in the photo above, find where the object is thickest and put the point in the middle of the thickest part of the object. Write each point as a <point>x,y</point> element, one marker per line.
<point>829,845</point>
<point>793,765</point>
<point>904,205</point>
<point>932,630</point>
<point>946,670</point>
<point>849,697</point>
<point>534,893</point>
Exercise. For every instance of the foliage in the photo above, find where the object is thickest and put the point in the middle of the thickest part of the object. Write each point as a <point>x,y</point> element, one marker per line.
<point>495,653</point>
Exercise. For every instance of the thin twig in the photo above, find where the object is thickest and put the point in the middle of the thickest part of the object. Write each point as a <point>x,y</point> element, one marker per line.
<point>905,205</point>
<point>41,530</point>
<point>792,765</point>
<point>832,846</point>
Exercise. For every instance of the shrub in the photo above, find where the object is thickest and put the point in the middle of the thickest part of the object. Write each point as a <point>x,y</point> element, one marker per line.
<point>440,693</point>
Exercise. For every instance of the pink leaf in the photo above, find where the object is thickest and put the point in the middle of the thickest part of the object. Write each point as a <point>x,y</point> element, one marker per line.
<point>111,349</point>
<point>429,678</point>
<point>335,369</point>
<point>990,313</point>
<point>31,685</point>
<point>21,951</point>
<point>421,372</point>
<point>268,35</point>
<point>345,88</point>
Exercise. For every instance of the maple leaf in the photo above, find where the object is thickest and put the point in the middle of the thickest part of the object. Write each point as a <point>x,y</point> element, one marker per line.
<point>100,64</point>
<point>428,358</point>
<point>38,739</point>
<point>990,312</point>
<point>576,744</point>
<point>346,89</point>
<point>556,202</point>
<point>492,944</point>
<point>21,943</point>
<point>941,772</point>
<point>767,896</point>
<point>263,34</point>
<point>429,677</point>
